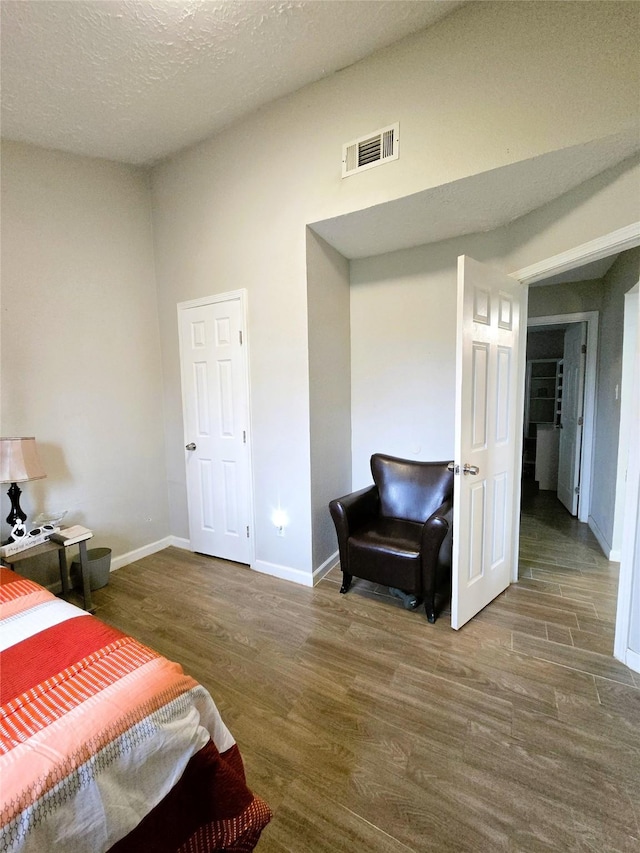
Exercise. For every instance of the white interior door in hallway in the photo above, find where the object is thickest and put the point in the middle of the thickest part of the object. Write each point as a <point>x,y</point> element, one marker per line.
<point>488,436</point>
<point>571,421</point>
<point>216,425</point>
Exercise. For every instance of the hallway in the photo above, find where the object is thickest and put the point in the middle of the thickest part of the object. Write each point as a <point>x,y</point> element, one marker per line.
<point>566,583</point>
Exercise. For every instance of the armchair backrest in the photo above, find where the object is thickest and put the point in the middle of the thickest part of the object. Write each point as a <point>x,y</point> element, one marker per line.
<point>410,490</point>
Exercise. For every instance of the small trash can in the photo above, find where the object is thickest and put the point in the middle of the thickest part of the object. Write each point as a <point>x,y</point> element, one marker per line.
<point>99,561</point>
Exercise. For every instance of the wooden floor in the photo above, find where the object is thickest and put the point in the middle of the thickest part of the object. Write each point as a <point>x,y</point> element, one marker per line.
<point>370,731</point>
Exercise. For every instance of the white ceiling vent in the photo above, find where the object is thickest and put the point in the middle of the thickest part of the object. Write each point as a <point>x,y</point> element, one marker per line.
<point>371,150</point>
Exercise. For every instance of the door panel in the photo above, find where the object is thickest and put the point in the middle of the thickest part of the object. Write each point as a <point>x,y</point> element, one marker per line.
<point>216,425</point>
<point>574,363</point>
<point>491,309</point>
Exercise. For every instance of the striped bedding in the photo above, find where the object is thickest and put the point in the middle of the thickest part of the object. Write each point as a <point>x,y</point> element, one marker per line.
<point>106,745</point>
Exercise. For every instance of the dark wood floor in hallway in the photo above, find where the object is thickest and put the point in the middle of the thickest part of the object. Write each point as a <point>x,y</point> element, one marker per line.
<point>370,731</point>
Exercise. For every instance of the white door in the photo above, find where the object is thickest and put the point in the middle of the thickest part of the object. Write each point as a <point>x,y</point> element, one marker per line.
<point>488,443</point>
<point>571,415</point>
<point>216,424</point>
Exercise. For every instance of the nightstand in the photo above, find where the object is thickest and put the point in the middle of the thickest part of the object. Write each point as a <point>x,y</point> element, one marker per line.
<point>49,548</point>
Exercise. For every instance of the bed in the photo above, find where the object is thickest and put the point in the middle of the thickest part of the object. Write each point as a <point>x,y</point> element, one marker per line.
<point>107,746</point>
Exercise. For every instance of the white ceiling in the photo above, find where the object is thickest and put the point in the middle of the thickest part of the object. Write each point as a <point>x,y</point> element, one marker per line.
<point>137,80</point>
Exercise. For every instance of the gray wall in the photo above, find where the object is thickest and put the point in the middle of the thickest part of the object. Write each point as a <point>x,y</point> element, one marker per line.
<point>329,387</point>
<point>547,344</point>
<point>622,276</point>
<point>80,341</point>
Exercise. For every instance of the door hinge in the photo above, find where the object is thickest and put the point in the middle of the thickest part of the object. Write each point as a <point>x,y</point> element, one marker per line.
<point>244,436</point>
<point>583,349</point>
<point>577,490</point>
<point>580,421</point>
<point>247,531</point>
<point>240,336</point>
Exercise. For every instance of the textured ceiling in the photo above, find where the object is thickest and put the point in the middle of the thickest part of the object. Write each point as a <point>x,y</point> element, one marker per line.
<point>137,81</point>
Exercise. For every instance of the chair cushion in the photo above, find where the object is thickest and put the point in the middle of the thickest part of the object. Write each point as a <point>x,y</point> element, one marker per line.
<point>387,551</point>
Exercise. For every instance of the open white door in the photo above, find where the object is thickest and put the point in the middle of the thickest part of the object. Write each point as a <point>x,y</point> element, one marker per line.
<point>488,443</point>
<point>571,415</point>
<point>216,424</point>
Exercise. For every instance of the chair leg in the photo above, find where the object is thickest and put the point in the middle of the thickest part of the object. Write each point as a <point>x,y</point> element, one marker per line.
<point>346,582</point>
<point>430,608</point>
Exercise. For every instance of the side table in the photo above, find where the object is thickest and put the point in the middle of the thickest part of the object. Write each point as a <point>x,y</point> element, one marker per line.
<point>48,548</point>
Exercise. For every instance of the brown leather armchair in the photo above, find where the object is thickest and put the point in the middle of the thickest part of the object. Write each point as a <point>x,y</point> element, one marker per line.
<point>398,532</point>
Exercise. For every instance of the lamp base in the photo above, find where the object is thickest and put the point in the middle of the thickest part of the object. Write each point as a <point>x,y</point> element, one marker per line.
<point>17,516</point>
<point>16,513</point>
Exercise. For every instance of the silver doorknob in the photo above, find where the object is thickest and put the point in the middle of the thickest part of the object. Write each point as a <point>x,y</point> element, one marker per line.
<point>191,446</point>
<point>470,469</point>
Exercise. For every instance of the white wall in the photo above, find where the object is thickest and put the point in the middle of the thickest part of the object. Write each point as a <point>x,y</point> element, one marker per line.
<point>80,342</point>
<point>634,626</point>
<point>490,85</point>
<point>329,388</point>
<point>627,640</point>
<point>403,344</point>
<point>403,316</point>
<point>603,204</point>
<point>628,421</point>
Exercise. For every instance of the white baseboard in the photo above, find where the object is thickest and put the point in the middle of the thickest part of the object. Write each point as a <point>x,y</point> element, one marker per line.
<point>139,553</point>
<point>328,564</point>
<point>136,554</point>
<point>602,541</point>
<point>286,573</point>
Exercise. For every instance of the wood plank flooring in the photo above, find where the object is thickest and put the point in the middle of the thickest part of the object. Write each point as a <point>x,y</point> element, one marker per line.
<point>370,731</point>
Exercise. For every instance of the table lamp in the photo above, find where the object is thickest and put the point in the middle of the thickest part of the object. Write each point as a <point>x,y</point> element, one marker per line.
<point>19,462</point>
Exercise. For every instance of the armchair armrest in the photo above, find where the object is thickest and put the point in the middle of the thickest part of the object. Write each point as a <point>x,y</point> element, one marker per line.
<point>437,526</point>
<point>351,511</point>
<point>436,529</point>
<point>444,511</point>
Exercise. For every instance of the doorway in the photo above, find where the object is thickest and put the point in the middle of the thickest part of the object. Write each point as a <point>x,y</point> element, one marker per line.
<point>629,577</point>
<point>559,415</point>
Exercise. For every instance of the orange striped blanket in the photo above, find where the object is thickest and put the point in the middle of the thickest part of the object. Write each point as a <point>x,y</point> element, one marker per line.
<point>106,745</point>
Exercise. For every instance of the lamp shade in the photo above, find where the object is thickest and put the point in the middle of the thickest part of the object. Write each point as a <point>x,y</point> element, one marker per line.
<point>19,460</point>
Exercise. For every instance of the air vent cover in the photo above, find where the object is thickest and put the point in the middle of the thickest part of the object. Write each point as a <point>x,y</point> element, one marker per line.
<point>371,150</point>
